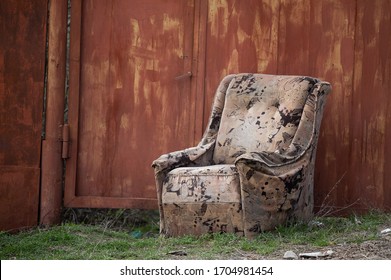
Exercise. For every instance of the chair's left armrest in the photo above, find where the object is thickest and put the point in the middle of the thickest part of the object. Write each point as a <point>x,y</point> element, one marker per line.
<point>274,189</point>
<point>274,164</point>
<point>303,143</point>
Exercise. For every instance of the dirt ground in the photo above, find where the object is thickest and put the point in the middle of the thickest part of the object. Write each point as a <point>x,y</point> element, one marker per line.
<point>379,249</point>
<point>368,250</point>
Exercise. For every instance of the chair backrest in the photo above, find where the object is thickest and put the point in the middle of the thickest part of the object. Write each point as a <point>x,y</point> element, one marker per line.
<point>261,113</point>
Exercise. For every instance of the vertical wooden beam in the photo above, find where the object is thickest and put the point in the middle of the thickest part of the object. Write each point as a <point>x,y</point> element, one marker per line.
<point>52,167</point>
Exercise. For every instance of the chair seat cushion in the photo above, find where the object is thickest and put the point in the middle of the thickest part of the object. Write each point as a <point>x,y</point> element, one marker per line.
<point>200,200</point>
<point>212,184</point>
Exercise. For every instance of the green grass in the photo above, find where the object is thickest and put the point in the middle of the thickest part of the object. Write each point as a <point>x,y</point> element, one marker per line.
<point>77,241</point>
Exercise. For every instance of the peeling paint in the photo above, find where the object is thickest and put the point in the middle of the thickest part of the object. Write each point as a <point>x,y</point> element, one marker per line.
<point>135,33</point>
<point>218,18</point>
<point>345,42</point>
<point>124,121</point>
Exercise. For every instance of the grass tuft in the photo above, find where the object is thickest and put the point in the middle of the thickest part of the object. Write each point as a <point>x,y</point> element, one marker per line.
<point>83,241</point>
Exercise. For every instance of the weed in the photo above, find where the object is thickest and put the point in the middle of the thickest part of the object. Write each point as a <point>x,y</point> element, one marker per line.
<point>82,241</point>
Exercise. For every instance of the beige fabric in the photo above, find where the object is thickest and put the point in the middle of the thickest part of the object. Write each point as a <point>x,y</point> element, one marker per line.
<point>198,219</point>
<point>267,126</point>
<point>212,184</point>
<point>261,113</point>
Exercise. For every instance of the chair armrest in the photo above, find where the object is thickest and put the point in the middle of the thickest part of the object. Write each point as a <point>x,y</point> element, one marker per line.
<point>305,138</point>
<point>195,156</point>
<point>272,163</point>
<point>275,189</point>
<point>268,159</point>
<point>308,130</point>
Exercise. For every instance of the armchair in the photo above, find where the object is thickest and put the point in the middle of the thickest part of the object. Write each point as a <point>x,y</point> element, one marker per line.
<point>253,168</point>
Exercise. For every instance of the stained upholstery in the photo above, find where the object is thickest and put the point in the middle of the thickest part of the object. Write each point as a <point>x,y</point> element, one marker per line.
<point>253,168</point>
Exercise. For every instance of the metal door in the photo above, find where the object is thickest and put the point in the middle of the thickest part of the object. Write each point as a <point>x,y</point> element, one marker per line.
<point>22,64</point>
<point>130,97</point>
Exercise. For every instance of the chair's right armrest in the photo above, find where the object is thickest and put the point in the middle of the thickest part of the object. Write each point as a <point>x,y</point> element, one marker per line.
<point>199,155</point>
<point>195,156</point>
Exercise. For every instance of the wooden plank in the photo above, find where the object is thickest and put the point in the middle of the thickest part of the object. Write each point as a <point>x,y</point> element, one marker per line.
<point>22,60</point>
<point>52,165</point>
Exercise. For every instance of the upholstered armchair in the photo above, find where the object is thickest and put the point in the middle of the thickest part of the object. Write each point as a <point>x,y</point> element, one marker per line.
<point>253,169</point>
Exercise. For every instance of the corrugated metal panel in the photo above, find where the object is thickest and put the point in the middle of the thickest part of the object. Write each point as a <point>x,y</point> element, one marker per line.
<point>22,59</point>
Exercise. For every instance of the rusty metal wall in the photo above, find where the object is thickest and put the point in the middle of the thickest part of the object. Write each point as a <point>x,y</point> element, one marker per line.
<point>345,42</point>
<point>368,179</point>
<point>22,60</point>
<point>126,107</point>
<point>51,195</point>
<point>129,99</point>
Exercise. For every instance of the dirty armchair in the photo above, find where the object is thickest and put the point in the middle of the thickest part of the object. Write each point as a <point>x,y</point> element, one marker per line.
<point>253,169</point>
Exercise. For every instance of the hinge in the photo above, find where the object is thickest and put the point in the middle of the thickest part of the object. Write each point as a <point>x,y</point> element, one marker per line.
<point>65,141</point>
